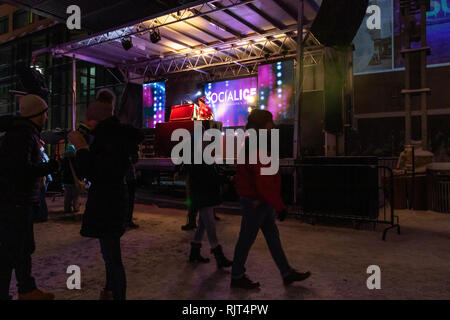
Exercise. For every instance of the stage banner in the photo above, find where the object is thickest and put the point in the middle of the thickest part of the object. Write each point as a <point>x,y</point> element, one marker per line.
<point>373,41</point>
<point>438,33</point>
<point>378,42</point>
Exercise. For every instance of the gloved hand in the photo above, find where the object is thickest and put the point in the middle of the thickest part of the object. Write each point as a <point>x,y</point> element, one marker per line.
<point>77,139</point>
<point>282,215</point>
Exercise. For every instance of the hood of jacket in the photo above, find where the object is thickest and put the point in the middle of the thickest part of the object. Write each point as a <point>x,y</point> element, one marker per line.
<point>8,123</point>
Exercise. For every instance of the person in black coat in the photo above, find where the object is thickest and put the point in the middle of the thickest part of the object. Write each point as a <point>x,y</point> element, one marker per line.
<point>105,163</point>
<point>21,170</point>
<point>131,185</point>
<point>204,184</point>
<point>71,190</point>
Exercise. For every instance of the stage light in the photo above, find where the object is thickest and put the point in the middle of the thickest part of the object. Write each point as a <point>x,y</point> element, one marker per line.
<point>199,93</point>
<point>155,36</point>
<point>127,43</point>
<point>251,99</point>
<point>249,109</point>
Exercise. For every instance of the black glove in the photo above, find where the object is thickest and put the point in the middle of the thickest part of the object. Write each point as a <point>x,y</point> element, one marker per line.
<point>282,215</point>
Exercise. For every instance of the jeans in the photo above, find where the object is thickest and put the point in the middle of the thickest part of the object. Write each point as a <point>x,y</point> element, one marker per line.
<point>206,222</point>
<point>41,209</point>
<point>71,195</point>
<point>16,246</point>
<point>115,272</point>
<point>262,217</point>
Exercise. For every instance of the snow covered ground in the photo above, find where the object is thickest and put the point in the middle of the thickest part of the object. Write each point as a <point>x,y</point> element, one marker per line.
<point>414,265</point>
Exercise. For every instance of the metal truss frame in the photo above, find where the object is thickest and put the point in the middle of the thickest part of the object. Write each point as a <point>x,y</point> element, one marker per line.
<point>146,26</point>
<point>230,57</point>
<point>236,60</point>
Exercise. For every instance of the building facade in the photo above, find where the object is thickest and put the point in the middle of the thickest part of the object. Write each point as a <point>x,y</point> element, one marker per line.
<point>23,32</point>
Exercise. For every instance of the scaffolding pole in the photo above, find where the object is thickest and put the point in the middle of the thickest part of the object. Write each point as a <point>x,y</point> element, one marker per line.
<point>298,91</point>
<point>74,92</point>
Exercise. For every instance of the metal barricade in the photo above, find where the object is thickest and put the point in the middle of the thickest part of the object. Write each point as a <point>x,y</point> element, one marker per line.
<point>354,192</point>
<point>440,191</point>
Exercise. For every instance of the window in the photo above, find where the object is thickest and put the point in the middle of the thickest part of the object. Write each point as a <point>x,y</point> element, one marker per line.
<point>4,24</point>
<point>22,18</point>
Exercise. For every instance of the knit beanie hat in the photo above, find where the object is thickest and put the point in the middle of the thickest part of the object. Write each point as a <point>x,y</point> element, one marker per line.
<point>102,107</point>
<point>31,106</point>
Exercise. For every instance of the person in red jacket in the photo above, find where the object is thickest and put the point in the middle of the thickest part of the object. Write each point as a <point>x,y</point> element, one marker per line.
<point>260,198</point>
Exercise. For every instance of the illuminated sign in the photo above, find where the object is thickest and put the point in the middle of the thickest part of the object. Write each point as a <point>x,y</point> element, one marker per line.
<point>231,100</point>
<point>154,101</point>
<point>276,89</point>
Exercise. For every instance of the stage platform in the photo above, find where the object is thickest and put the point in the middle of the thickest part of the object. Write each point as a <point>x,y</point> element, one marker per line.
<point>166,164</point>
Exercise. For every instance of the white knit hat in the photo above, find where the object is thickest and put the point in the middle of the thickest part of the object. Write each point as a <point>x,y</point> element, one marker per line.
<point>31,106</point>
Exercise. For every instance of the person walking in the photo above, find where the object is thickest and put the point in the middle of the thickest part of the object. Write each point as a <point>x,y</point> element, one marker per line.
<point>204,182</point>
<point>21,170</point>
<point>260,198</point>
<point>41,209</point>
<point>105,163</point>
<point>70,171</point>
<point>192,211</point>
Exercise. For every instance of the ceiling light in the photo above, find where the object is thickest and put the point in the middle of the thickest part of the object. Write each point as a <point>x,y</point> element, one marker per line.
<point>155,36</point>
<point>127,43</point>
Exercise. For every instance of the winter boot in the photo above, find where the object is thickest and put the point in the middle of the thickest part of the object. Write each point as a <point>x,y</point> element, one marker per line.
<point>132,225</point>
<point>195,253</point>
<point>36,294</point>
<point>106,295</point>
<point>295,276</point>
<point>189,226</point>
<point>221,260</point>
<point>244,283</point>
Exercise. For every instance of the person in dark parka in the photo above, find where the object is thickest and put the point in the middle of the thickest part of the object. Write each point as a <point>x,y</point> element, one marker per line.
<point>205,194</point>
<point>105,163</point>
<point>21,170</point>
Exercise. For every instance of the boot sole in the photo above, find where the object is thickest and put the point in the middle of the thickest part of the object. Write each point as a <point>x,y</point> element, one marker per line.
<point>297,280</point>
